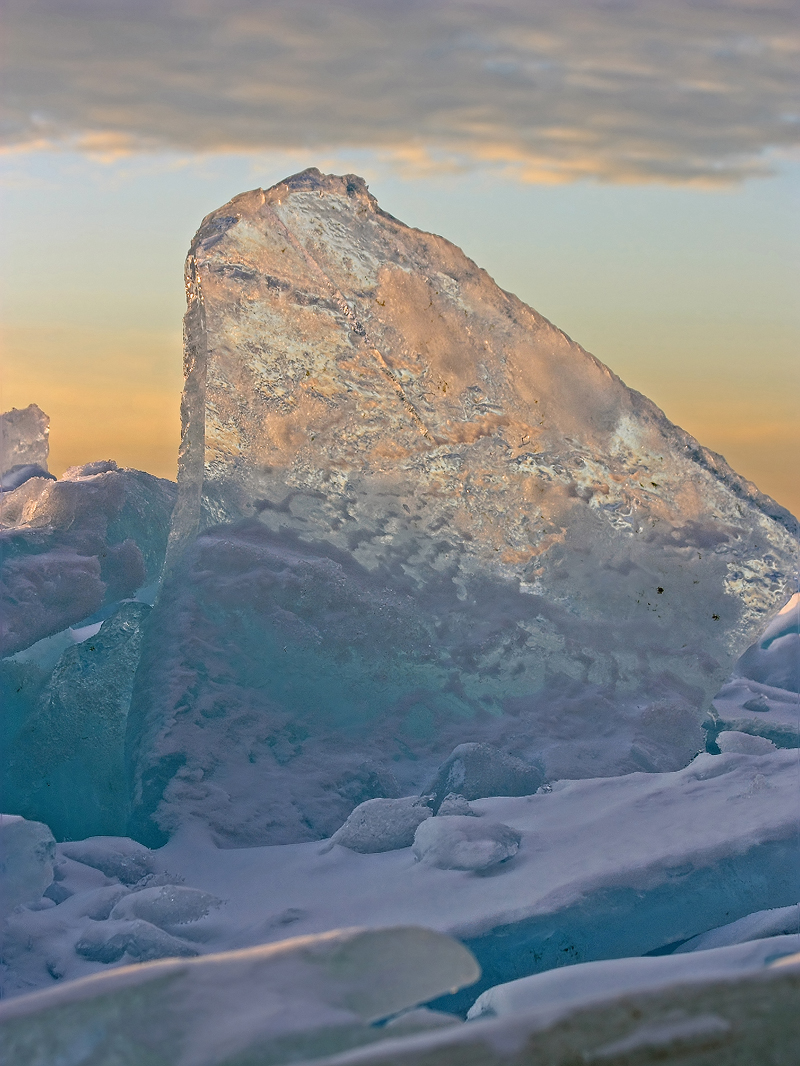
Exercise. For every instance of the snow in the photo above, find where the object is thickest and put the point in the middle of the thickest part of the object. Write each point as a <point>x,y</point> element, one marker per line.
<point>605,868</point>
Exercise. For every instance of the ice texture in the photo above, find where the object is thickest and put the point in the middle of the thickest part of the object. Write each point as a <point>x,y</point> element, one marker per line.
<point>71,546</point>
<point>285,1002</point>
<point>382,824</point>
<point>460,842</point>
<point>27,854</point>
<point>24,440</point>
<point>65,764</point>
<point>411,514</point>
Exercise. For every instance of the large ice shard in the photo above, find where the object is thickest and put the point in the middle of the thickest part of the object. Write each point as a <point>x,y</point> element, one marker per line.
<point>412,514</point>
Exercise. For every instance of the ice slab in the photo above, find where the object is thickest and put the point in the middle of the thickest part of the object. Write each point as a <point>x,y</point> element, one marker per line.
<point>24,439</point>
<point>412,514</point>
<point>283,1002</point>
<point>115,857</point>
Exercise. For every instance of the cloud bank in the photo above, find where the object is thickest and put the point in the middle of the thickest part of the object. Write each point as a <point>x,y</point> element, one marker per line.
<point>694,91</point>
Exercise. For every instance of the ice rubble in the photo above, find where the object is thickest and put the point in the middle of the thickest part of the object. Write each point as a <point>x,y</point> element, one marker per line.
<point>413,514</point>
<point>762,697</point>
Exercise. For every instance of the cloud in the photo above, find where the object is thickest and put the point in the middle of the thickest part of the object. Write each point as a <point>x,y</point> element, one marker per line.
<point>695,91</point>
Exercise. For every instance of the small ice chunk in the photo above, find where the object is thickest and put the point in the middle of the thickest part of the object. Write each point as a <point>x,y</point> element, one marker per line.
<point>109,941</point>
<point>382,824</point>
<point>166,906</point>
<point>27,857</point>
<point>457,842</point>
<point>117,857</point>
<point>743,743</point>
<point>454,804</point>
<point>475,771</point>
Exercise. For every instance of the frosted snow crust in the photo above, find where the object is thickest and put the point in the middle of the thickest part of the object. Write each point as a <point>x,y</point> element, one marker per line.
<point>412,514</point>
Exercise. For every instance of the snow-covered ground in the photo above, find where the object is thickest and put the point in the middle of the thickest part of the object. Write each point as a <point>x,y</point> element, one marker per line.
<point>605,868</point>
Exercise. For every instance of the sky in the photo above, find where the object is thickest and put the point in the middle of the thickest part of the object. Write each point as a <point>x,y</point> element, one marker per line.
<point>630,168</point>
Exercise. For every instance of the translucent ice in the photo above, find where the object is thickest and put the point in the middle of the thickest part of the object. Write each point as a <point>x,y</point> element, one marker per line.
<point>460,842</point>
<point>743,743</point>
<point>27,854</point>
<point>412,513</point>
